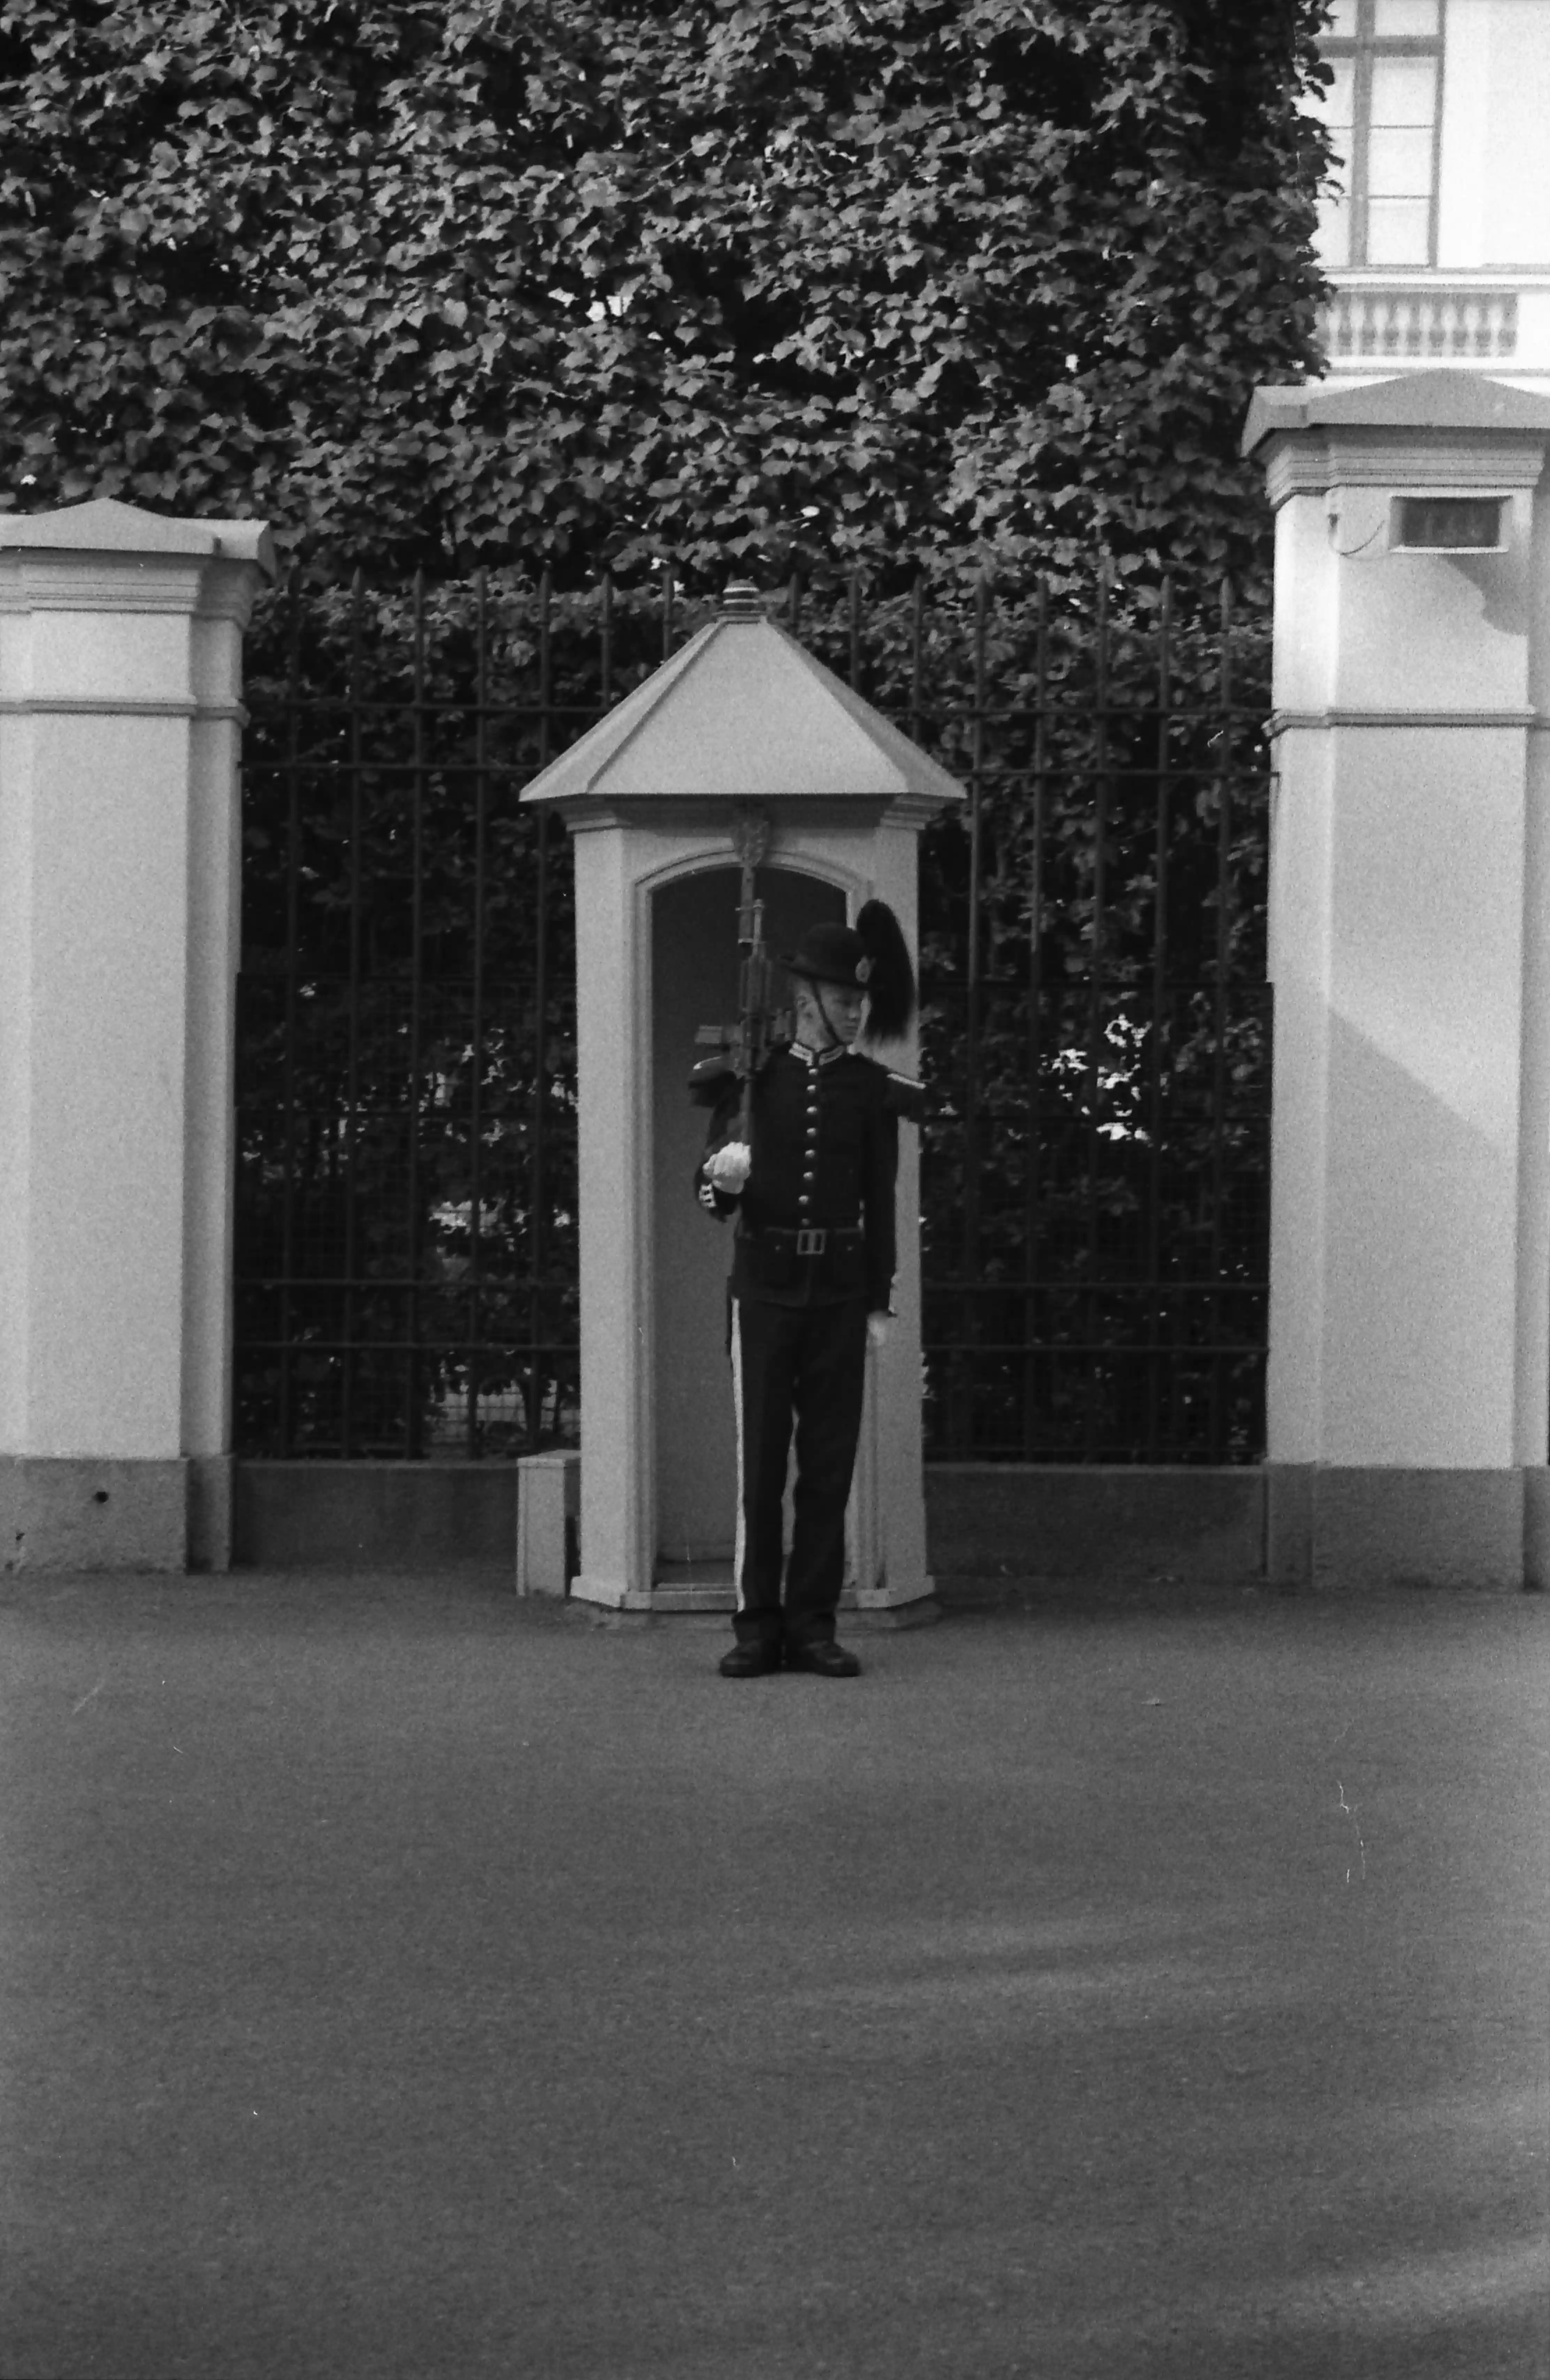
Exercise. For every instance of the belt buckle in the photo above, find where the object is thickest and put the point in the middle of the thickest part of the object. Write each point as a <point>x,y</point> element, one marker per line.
<point>810,1242</point>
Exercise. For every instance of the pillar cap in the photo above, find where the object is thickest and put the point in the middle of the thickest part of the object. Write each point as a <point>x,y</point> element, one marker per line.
<point>1458,401</point>
<point>107,526</point>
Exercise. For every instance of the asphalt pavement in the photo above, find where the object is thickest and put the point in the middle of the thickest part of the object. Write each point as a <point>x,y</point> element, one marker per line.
<point>403,1983</point>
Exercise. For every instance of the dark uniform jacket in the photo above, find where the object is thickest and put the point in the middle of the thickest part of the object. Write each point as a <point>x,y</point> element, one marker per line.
<point>815,1221</point>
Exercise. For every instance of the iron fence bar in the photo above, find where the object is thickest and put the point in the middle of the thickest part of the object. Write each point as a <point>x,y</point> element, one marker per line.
<point>541,970</point>
<point>964,1391</point>
<point>606,643</point>
<point>392,1284</point>
<point>943,1285</point>
<point>1035,993</point>
<point>949,714</point>
<point>1096,953</point>
<point>917,655</point>
<point>417,938</point>
<point>316,766</point>
<point>476,1085</point>
<point>1218,1350</point>
<point>855,679</point>
<point>794,603</point>
<point>441,1346</point>
<point>666,609</point>
<point>293,941</point>
<point>352,1095</point>
<point>1135,1285</point>
<point>1224,930</point>
<point>972,952</point>
<point>1159,994</point>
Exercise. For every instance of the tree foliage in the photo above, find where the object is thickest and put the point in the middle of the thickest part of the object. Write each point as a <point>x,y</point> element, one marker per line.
<point>442,281</point>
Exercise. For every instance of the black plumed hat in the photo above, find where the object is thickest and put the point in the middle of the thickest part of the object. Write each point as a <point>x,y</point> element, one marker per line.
<point>829,954</point>
<point>871,956</point>
<point>890,981</point>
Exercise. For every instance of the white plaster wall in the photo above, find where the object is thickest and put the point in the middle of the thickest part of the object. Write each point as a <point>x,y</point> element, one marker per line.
<point>214,909</point>
<point>1531,1423</point>
<point>1301,825</point>
<point>611,1133</point>
<point>1426,1016</point>
<point>1513,166</point>
<point>1426,631</point>
<point>105,986</point>
<point>15,1130</point>
<point>125,657</point>
<point>1306,619</point>
<point>1494,182</point>
<point>1465,142</point>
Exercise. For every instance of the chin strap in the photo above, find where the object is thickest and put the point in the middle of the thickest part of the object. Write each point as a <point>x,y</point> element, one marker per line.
<point>817,990</point>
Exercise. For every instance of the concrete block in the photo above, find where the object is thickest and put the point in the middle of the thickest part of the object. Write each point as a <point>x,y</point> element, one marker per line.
<point>59,1514</point>
<point>548,1511</point>
<point>1046,1520</point>
<point>373,1515</point>
<point>1376,1525</point>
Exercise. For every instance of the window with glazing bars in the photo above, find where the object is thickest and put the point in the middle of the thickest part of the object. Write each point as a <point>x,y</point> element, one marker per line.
<point>1382,110</point>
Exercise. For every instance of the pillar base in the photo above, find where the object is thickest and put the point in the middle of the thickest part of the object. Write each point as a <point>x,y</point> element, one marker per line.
<point>1337,1526</point>
<point>610,1594</point>
<point>80,1512</point>
<point>212,1496</point>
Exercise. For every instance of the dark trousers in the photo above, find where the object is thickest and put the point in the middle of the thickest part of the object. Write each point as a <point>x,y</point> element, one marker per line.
<point>805,1364</point>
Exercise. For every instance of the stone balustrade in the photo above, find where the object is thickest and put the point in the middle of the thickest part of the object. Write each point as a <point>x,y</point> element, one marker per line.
<point>1409,323</point>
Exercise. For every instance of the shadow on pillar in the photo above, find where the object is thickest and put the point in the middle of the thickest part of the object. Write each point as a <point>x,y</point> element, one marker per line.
<point>694,979</point>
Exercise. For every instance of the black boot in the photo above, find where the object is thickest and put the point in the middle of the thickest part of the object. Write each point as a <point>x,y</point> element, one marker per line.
<point>822,1656</point>
<point>751,1657</point>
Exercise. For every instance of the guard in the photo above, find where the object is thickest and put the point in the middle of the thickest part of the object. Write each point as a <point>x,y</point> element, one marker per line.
<point>812,1268</point>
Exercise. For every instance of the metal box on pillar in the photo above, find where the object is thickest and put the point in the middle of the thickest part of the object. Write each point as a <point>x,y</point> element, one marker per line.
<point>742,730</point>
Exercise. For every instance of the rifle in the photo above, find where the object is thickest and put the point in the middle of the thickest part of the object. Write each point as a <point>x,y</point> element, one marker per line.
<point>759,1023</point>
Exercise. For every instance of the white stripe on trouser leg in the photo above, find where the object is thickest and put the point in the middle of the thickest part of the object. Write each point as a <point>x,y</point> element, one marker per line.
<point>740,1542</point>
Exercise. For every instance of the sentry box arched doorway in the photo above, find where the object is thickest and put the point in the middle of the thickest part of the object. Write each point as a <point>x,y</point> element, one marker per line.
<point>742,723</point>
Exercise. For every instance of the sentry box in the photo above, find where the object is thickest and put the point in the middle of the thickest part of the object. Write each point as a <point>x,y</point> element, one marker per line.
<point>741,734</point>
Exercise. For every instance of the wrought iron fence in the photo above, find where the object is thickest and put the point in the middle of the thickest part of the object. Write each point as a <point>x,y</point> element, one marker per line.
<point>1094,1017</point>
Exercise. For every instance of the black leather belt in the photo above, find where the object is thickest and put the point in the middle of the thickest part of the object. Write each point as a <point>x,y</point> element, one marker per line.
<point>807,1241</point>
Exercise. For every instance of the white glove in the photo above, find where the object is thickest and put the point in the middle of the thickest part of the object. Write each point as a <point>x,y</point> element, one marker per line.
<point>877,1329</point>
<point>729,1168</point>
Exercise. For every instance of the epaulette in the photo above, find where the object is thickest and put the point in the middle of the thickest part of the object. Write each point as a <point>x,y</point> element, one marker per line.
<point>708,1079</point>
<point>902,1096</point>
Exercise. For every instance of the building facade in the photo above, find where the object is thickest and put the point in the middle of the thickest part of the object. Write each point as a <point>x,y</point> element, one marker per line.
<point>1436,231</point>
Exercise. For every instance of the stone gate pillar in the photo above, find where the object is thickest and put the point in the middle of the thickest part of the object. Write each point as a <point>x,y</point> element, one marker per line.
<point>120,674</point>
<point>1410,952</point>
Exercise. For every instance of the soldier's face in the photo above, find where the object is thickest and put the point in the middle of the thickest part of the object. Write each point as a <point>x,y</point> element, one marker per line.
<point>836,1006</point>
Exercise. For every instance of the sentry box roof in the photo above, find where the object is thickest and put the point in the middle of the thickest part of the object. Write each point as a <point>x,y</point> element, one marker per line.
<point>743,713</point>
